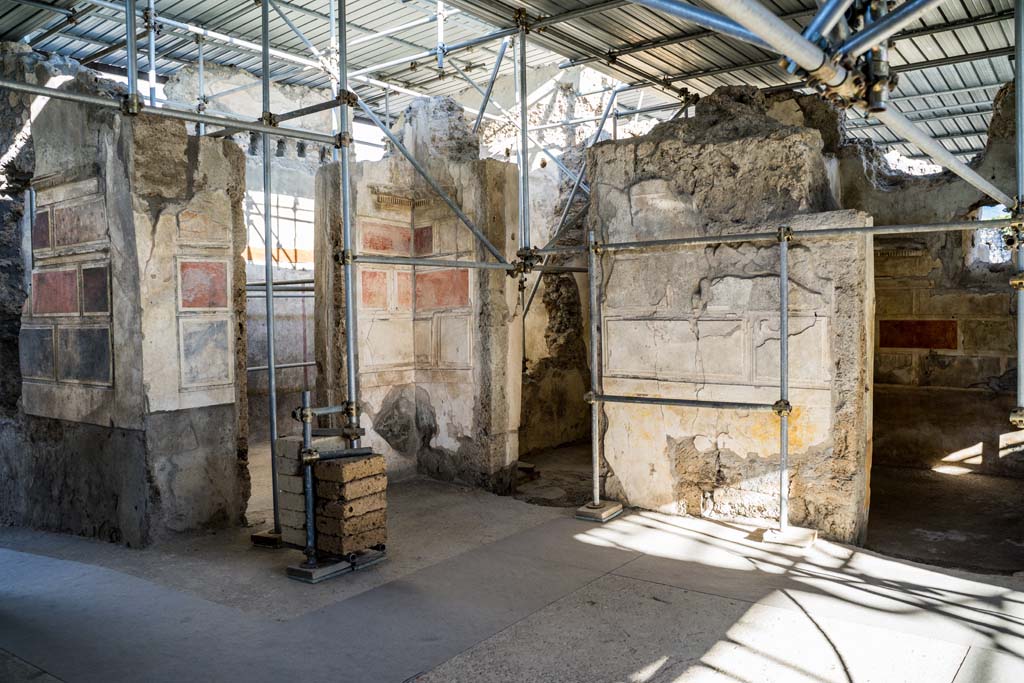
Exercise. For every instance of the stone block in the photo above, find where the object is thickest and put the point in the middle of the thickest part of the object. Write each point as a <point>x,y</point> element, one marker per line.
<point>352,525</point>
<point>349,469</point>
<point>293,536</point>
<point>291,501</point>
<point>917,334</point>
<point>343,545</point>
<point>354,508</point>
<point>442,289</point>
<point>356,488</point>
<point>989,336</point>
<point>293,518</point>
<point>288,483</point>
<point>55,292</point>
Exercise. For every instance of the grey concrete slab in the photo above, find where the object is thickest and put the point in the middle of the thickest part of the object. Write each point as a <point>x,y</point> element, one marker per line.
<point>567,541</point>
<point>618,629</point>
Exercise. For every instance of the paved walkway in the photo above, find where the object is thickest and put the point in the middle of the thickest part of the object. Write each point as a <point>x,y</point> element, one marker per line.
<point>646,597</point>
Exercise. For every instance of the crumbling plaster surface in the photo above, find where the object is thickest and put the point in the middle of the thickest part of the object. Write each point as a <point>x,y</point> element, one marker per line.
<point>116,457</point>
<point>703,322</point>
<point>439,349</point>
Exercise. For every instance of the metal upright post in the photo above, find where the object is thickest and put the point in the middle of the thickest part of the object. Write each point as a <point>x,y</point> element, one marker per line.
<point>349,266</point>
<point>596,510</point>
<point>151,27</point>
<point>335,116</point>
<point>440,35</point>
<point>524,146</point>
<point>490,85</point>
<point>782,407</point>
<point>201,65</point>
<point>1017,416</point>
<point>268,252</point>
<point>132,62</point>
<point>307,482</point>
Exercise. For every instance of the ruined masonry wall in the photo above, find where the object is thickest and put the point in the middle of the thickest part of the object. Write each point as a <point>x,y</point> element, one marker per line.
<point>131,343</point>
<point>438,355</point>
<point>703,323</point>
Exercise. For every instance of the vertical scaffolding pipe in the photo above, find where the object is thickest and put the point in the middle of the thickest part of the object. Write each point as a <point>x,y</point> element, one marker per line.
<point>524,147</point>
<point>1018,73</point>
<point>595,357</point>
<point>307,482</point>
<point>783,381</point>
<point>333,50</point>
<point>151,21</point>
<point>268,251</point>
<point>349,267</point>
<point>201,65</point>
<point>131,48</point>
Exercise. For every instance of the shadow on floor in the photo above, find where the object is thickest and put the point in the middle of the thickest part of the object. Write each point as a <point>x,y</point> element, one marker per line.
<point>969,521</point>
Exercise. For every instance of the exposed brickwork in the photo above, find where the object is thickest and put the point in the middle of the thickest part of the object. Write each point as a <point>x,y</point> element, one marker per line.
<point>351,499</point>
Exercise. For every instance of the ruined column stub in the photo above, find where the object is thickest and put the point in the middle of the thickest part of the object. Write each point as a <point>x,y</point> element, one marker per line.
<point>439,358</point>
<point>703,323</point>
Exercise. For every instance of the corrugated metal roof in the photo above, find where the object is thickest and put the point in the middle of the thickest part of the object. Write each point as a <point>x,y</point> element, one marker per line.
<point>961,46</point>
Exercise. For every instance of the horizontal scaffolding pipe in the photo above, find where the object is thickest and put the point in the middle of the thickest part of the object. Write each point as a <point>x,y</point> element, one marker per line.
<point>652,245</point>
<point>575,249</point>
<point>278,283</point>
<point>281,366</point>
<point>441,263</point>
<point>96,101</point>
<point>560,269</point>
<point>341,453</point>
<point>679,402</point>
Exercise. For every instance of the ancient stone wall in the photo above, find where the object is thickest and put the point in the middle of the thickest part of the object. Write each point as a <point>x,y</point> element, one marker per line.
<point>945,369</point>
<point>703,323</point>
<point>131,342</point>
<point>438,352</point>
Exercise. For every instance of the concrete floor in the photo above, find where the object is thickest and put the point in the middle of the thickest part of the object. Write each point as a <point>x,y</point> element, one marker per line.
<point>483,588</point>
<point>970,521</point>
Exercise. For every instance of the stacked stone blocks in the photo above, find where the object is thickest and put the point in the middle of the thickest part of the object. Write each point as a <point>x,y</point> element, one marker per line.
<point>351,498</point>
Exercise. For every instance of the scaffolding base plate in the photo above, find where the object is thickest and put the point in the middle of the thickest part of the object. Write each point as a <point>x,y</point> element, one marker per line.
<point>266,539</point>
<point>795,536</point>
<point>609,510</point>
<point>329,568</point>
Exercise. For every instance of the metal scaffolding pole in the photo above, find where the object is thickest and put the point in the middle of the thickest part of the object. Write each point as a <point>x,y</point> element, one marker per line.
<point>348,263</point>
<point>201,66</point>
<point>880,31</point>
<point>524,144</point>
<point>1017,416</point>
<point>782,408</point>
<point>132,49</point>
<point>151,30</point>
<point>268,251</point>
<point>490,85</point>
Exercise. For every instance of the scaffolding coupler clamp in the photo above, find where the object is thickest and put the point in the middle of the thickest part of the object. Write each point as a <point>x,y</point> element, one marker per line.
<point>589,397</point>
<point>785,234</point>
<point>349,98</point>
<point>308,456</point>
<point>344,257</point>
<point>303,415</point>
<point>343,139</point>
<point>1017,418</point>
<point>268,118</point>
<point>521,19</point>
<point>1017,282</point>
<point>131,104</point>
<point>782,407</point>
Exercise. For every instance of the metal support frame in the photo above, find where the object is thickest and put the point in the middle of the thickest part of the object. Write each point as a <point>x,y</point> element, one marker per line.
<point>524,143</point>
<point>1017,416</point>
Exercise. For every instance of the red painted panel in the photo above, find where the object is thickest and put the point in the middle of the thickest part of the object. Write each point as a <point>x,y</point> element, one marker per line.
<point>55,292</point>
<point>386,239</point>
<point>404,291</point>
<point>204,284</point>
<point>374,288</point>
<point>423,241</point>
<point>917,334</point>
<point>41,230</point>
<point>442,289</point>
